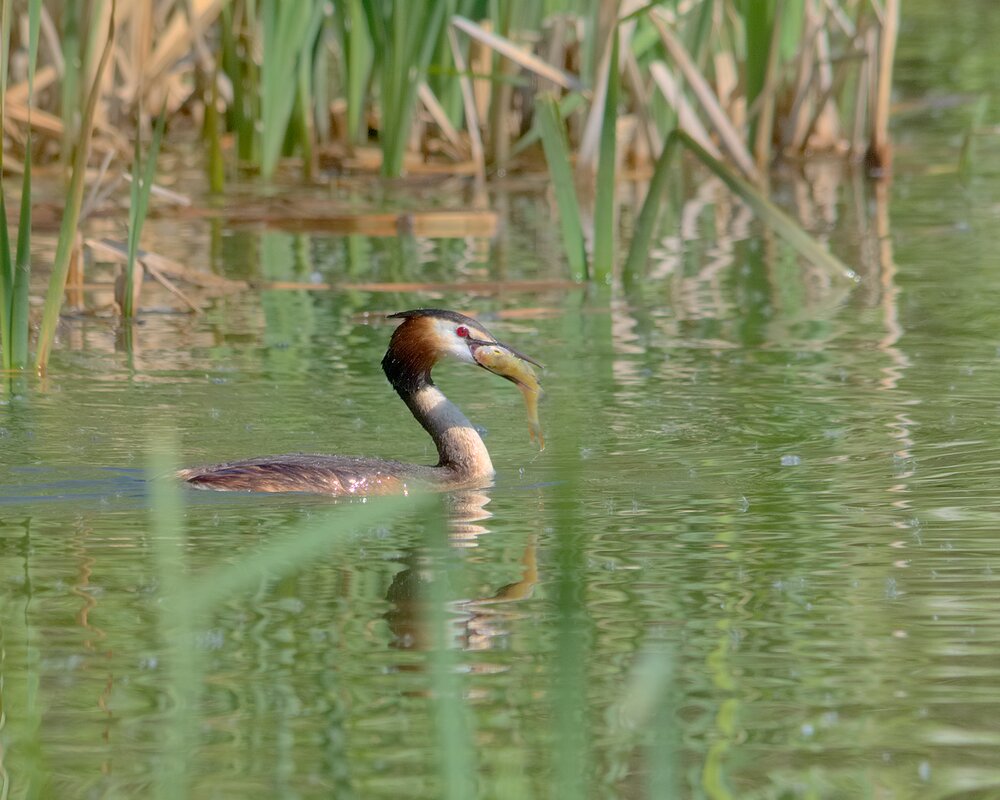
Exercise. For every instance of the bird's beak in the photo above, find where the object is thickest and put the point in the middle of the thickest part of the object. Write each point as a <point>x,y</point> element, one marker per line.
<point>475,344</point>
<point>503,360</point>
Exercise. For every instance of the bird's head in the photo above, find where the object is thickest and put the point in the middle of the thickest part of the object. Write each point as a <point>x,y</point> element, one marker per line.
<point>427,335</point>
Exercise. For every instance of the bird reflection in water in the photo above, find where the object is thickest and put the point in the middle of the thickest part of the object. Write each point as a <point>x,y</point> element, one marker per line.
<point>475,623</point>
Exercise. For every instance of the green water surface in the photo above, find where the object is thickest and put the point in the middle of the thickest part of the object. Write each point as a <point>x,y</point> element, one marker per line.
<point>760,557</point>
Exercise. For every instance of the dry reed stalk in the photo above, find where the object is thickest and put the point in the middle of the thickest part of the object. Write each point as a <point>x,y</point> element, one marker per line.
<point>793,130</point>
<point>727,88</point>
<point>510,50</point>
<point>480,63</point>
<point>731,139</point>
<point>118,252</point>
<point>44,78</point>
<point>430,103</point>
<point>174,43</point>
<point>862,99</point>
<point>687,118</point>
<point>556,48</point>
<point>471,120</point>
<point>166,283</point>
<point>587,152</point>
<point>140,45</point>
<point>879,156</point>
<point>74,275</point>
<point>53,44</point>
<point>824,131</point>
<point>473,287</point>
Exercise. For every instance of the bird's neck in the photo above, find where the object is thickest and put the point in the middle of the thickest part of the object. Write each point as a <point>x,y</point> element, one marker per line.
<point>460,448</point>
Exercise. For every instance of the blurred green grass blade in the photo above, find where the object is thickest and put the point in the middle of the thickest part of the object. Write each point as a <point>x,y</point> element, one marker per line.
<point>187,601</point>
<point>177,629</point>
<point>646,223</point>
<point>557,155</point>
<point>71,214</point>
<point>571,773</point>
<point>290,553</point>
<point>142,186</point>
<point>456,760</point>
<point>647,710</point>
<point>663,755</point>
<point>604,209</point>
<point>769,213</point>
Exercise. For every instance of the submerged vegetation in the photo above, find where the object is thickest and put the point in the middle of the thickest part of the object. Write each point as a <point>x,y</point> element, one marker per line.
<point>463,87</point>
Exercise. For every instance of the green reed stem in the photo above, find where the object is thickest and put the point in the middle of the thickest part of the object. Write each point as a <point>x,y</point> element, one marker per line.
<point>6,283</point>
<point>71,214</point>
<point>604,201</point>
<point>757,26</point>
<point>557,155</point>
<point>213,137</point>
<point>642,236</point>
<point>20,324</point>
<point>289,30</point>
<point>6,261</point>
<point>177,628</point>
<point>567,105</point>
<point>356,44</point>
<point>405,35</point>
<point>14,323</point>
<point>142,185</point>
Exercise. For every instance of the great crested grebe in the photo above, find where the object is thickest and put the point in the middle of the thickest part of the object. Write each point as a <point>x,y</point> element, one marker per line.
<point>425,336</point>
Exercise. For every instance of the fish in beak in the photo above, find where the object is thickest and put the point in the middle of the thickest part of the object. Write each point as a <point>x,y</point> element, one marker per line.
<point>506,362</point>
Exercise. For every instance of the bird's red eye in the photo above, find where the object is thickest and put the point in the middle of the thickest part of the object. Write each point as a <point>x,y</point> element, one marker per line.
<point>462,331</point>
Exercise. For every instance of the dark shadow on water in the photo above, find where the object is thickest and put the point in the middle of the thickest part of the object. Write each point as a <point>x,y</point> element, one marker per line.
<point>102,487</point>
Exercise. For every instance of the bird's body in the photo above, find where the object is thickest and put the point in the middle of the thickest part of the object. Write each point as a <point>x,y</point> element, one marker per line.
<point>301,472</point>
<point>425,336</point>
